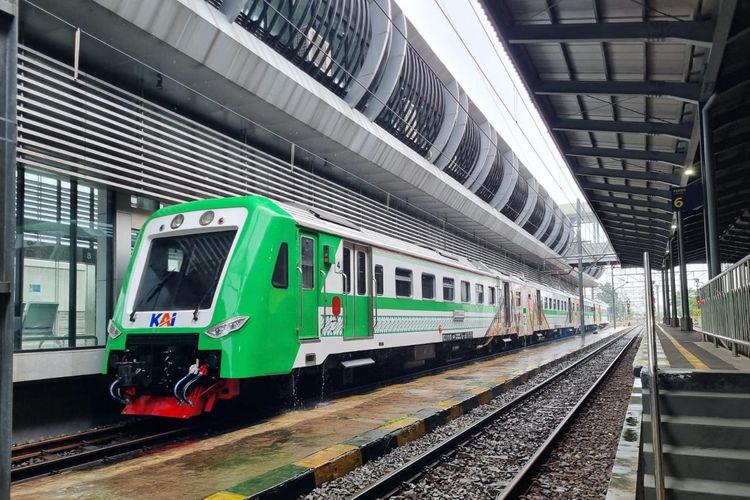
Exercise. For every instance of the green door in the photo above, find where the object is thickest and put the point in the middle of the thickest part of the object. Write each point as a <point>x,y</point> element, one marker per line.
<point>309,287</point>
<point>357,310</point>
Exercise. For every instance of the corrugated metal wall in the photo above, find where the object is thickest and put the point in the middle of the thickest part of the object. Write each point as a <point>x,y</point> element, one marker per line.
<point>92,130</point>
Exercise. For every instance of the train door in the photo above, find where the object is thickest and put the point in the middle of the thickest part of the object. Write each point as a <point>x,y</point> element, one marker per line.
<point>570,310</point>
<point>539,311</point>
<point>506,304</point>
<point>309,289</point>
<point>357,291</point>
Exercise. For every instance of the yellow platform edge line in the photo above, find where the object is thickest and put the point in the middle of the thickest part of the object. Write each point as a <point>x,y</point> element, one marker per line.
<point>225,495</point>
<point>691,358</point>
<point>332,462</point>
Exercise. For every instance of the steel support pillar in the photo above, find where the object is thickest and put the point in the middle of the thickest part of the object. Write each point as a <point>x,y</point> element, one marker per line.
<point>673,319</point>
<point>665,296</point>
<point>614,300</point>
<point>581,310</point>
<point>703,189</point>
<point>686,322</point>
<point>8,55</point>
<point>710,210</point>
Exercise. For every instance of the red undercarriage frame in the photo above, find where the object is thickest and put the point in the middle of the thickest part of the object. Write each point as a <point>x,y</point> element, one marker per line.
<point>203,399</point>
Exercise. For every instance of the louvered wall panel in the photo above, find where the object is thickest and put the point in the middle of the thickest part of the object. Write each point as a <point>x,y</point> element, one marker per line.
<point>95,131</point>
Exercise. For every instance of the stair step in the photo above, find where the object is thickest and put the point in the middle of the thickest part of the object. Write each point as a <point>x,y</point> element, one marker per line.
<point>719,464</point>
<point>706,432</point>
<point>696,489</point>
<point>701,403</point>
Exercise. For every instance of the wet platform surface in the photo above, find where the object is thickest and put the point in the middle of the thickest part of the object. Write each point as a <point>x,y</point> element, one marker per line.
<point>202,468</point>
<point>688,350</point>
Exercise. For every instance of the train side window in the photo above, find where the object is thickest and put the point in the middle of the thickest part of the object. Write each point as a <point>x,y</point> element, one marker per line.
<point>280,278</point>
<point>480,293</point>
<point>449,293</point>
<point>361,273</point>
<point>428,286</point>
<point>346,272</point>
<point>403,282</point>
<point>308,258</point>
<point>493,296</point>
<point>465,291</point>
<point>546,303</point>
<point>379,280</point>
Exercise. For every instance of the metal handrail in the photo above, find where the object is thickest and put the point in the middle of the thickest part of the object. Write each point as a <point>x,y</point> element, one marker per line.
<point>654,386</point>
<point>730,340</point>
<point>725,307</point>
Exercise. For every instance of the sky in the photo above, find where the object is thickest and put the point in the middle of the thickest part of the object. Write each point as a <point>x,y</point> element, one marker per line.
<point>483,69</point>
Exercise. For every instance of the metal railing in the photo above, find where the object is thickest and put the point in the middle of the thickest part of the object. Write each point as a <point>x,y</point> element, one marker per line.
<point>653,389</point>
<point>725,308</point>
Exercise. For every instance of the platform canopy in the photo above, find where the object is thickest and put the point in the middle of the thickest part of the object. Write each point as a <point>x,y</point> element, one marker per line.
<point>620,84</point>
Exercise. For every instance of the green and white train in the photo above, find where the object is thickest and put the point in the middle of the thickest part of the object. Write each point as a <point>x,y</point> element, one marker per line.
<point>222,290</point>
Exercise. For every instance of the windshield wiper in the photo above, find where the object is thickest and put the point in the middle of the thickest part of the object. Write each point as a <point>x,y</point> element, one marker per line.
<point>154,290</point>
<point>215,282</point>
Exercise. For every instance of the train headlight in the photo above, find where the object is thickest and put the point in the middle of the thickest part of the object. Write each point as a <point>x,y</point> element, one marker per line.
<point>177,221</point>
<point>112,330</point>
<point>206,218</point>
<point>226,327</point>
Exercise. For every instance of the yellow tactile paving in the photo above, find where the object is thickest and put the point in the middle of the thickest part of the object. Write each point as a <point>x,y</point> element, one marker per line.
<point>332,462</point>
<point>199,469</point>
<point>690,357</point>
<point>225,495</point>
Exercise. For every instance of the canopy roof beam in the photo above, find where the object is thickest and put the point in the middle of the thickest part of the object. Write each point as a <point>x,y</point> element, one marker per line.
<point>618,188</point>
<point>654,205</point>
<point>636,213</point>
<point>679,131</point>
<point>677,159</point>
<point>698,33</point>
<point>672,180</point>
<point>688,92</point>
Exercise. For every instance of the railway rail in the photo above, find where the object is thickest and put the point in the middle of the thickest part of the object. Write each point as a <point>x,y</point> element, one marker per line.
<point>63,452</point>
<point>524,441</point>
<point>55,454</point>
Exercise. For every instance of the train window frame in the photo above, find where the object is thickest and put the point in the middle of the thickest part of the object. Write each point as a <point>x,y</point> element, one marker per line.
<point>431,286</point>
<point>465,292</point>
<point>546,303</point>
<point>346,271</point>
<point>361,269</point>
<point>379,275</point>
<point>449,285</point>
<point>492,291</point>
<point>403,275</point>
<point>307,263</point>
<point>280,275</point>
<point>479,291</point>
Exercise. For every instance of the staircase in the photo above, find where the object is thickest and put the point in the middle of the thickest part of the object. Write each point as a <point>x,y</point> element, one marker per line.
<point>705,433</point>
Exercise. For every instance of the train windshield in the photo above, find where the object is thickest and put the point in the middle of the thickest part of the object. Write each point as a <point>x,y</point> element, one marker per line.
<point>182,272</point>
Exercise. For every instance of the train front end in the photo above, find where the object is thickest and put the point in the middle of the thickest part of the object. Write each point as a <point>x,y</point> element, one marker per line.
<point>184,317</point>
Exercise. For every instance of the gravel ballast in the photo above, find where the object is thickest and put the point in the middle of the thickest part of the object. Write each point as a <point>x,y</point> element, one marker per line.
<point>482,467</point>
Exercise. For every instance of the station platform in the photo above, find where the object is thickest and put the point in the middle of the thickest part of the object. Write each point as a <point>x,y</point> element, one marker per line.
<point>689,351</point>
<point>699,388</point>
<point>295,451</point>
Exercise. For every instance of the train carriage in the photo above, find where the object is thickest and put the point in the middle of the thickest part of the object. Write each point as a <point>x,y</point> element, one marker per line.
<point>228,289</point>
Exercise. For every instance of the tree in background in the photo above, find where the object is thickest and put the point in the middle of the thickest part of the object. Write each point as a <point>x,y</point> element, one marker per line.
<point>604,294</point>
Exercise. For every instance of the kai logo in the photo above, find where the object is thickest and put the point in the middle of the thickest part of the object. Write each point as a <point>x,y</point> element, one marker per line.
<point>163,319</point>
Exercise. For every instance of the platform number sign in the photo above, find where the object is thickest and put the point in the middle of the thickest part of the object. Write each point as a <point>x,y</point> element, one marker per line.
<point>687,198</point>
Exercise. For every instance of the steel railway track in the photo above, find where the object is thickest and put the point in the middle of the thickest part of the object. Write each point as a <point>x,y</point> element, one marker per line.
<point>412,471</point>
<point>53,455</point>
